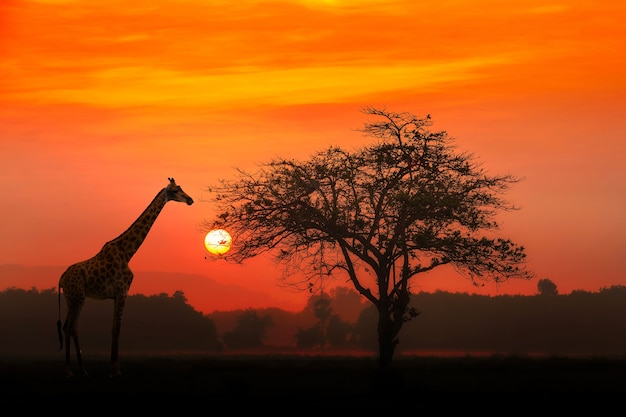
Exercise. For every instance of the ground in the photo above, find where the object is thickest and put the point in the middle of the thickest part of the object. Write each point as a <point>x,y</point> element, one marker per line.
<point>306,384</point>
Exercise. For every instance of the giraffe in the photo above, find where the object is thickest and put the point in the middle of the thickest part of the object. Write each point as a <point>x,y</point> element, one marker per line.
<point>108,276</point>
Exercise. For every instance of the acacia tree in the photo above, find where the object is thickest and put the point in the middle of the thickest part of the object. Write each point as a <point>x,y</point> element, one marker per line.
<point>383,214</point>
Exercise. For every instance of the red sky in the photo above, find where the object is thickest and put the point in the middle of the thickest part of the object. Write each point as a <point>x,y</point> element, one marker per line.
<point>102,100</point>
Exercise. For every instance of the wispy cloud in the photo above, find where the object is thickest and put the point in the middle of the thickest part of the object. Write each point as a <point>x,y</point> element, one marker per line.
<point>144,86</point>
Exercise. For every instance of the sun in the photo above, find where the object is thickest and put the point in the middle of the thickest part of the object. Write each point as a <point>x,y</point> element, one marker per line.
<point>218,241</point>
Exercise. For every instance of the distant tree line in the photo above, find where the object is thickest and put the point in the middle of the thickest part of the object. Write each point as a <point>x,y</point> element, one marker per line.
<point>580,323</point>
<point>158,323</point>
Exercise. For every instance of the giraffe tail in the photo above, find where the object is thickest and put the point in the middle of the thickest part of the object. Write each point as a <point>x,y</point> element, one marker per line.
<point>59,326</point>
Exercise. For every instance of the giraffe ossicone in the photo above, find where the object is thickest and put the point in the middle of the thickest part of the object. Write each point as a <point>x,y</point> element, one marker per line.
<point>108,276</point>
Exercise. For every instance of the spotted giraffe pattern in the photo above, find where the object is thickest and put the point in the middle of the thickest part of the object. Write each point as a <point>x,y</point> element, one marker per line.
<point>108,276</point>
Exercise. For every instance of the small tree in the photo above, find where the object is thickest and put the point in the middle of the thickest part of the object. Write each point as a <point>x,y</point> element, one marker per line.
<point>383,214</point>
<point>249,331</point>
<point>339,332</point>
<point>323,311</point>
<point>347,303</point>
<point>546,287</point>
<point>311,337</point>
<point>329,329</point>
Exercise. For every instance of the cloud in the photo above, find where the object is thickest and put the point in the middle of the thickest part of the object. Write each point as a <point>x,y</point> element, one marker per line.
<point>239,86</point>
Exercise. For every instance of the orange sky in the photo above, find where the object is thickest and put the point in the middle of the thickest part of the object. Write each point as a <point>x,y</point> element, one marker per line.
<point>102,100</point>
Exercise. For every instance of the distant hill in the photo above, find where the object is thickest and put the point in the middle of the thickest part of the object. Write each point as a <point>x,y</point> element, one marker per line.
<point>203,293</point>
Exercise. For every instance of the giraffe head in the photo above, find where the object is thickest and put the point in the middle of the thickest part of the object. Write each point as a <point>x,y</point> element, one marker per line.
<point>174,192</point>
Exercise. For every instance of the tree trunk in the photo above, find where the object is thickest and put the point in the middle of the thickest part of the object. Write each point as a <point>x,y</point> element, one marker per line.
<point>386,339</point>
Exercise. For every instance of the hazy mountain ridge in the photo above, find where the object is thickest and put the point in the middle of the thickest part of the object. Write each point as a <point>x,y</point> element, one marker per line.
<point>204,293</point>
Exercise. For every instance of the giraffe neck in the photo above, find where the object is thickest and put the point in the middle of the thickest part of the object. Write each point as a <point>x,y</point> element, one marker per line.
<point>129,242</point>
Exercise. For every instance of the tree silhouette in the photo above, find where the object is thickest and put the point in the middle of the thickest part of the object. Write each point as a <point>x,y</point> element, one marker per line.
<point>546,287</point>
<point>322,310</point>
<point>249,331</point>
<point>338,332</point>
<point>329,328</point>
<point>311,337</point>
<point>383,214</point>
<point>319,306</point>
<point>347,303</point>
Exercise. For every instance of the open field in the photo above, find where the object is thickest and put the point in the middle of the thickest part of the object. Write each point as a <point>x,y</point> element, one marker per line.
<point>311,382</point>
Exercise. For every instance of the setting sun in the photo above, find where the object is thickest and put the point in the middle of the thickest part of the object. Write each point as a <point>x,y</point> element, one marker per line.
<point>218,241</point>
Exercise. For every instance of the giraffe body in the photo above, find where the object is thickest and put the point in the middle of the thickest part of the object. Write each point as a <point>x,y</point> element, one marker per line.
<point>108,276</point>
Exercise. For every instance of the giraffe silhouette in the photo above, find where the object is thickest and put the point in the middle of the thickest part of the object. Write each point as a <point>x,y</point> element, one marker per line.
<point>108,276</point>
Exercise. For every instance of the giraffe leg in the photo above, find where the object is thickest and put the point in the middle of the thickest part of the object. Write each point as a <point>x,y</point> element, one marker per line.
<point>74,306</point>
<point>79,354</point>
<point>71,334</point>
<point>68,366</point>
<point>118,309</point>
